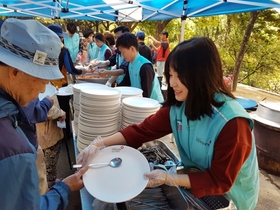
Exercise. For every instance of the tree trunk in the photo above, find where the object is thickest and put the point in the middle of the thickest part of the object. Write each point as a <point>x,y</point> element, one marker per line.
<point>130,25</point>
<point>160,26</point>
<point>243,48</point>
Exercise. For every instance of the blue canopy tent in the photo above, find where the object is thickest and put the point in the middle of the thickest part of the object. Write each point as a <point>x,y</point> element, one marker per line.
<point>130,10</point>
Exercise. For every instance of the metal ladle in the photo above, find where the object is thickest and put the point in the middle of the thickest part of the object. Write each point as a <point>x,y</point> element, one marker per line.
<point>114,163</point>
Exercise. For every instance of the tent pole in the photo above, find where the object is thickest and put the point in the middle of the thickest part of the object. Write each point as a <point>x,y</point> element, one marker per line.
<point>183,20</point>
<point>183,23</point>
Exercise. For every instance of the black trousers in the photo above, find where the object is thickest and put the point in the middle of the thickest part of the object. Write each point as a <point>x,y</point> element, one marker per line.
<point>64,105</point>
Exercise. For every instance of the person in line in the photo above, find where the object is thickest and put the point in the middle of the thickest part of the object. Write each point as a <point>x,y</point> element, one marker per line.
<point>28,61</point>
<point>116,60</point>
<point>72,41</point>
<point>144,50</point>
<point>92,48</point>
<point>162,49</point>
<point>36,111</point>
<point>67,68</point>
<point>140,70</point>
<point>49,137</point>
<point>213,132</point>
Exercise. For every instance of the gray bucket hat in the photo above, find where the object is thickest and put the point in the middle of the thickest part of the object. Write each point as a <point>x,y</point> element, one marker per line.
<point>30,47</point>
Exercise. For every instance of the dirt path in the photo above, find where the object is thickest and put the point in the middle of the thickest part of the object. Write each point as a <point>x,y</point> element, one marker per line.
<point>256,94</point>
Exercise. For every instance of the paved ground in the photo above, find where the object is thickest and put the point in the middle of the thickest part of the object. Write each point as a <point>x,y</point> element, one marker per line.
<point>269,195</point>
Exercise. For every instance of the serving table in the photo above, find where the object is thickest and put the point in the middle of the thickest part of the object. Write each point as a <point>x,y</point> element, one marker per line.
<point>86,198</point>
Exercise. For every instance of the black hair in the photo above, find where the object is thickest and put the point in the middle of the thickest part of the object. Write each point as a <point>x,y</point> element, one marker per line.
<point>198,65</point>
<point>142,38</point>
<point>110,38</point>
<point>123,29</point>
<point>127,40</point>
<point>87,32</point>
<point>165,33</point>
<point>101,37</point>
<point>71,27</point>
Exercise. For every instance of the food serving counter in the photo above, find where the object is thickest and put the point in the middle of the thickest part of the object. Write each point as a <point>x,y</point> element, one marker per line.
<point>164,197</point>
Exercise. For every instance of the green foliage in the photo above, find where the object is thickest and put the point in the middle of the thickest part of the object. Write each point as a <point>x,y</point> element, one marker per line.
<point>260,66</point>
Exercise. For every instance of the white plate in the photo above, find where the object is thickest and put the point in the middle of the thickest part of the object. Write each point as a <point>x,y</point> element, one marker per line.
<point>101,93</point>
<point>131,91</point>
<point>62,92</point>
<point>116,185</point>
<point>50,91</point>
<point>139,102</point>
<point>78,87</point>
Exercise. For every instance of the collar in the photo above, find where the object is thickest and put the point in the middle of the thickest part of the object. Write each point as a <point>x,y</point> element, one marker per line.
<point>135,59</point>
<point>11,107</point>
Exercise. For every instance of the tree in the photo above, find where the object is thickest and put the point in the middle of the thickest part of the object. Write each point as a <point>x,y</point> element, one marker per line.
<point>243,47</point>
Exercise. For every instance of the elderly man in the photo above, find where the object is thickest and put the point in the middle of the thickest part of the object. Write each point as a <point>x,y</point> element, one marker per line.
<point>28,61</point>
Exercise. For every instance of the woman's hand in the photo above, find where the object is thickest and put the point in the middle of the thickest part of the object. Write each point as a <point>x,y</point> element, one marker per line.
<point>87,154</point>
<point>90,151</point>
<point>159,177</point>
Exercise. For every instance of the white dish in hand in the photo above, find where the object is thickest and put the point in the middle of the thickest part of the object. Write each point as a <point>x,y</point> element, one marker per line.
<point>116,185</point>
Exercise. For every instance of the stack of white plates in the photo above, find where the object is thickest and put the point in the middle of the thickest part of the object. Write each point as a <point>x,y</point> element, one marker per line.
<point>99,114</point>
<point>128,92</point>
<point>76,99</point>
<point>136,109</point>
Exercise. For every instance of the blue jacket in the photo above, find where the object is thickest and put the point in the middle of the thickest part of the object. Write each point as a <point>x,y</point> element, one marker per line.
<point>36,111</point>
<point>18,173</point>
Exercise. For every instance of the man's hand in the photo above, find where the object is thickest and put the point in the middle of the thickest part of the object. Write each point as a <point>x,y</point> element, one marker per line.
<point>102,72</point>
<point>75,181</point>
<point>62,117</point>
<point>94,64</point>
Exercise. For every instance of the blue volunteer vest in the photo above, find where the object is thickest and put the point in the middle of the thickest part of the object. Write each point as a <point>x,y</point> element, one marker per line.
<point>119,60</point>
<point>101,52</point>
<point>196,140</point>
<point>134,75</point>
<point>92,51</point>
<point>72,44</point>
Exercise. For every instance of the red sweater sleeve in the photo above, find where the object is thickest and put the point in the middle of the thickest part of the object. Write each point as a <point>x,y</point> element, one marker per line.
<point>153,127</point>
<point>107,54</point>
<point>231,150</point>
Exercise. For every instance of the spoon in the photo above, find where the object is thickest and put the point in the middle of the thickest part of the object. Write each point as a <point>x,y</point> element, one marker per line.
<point>114,163</point>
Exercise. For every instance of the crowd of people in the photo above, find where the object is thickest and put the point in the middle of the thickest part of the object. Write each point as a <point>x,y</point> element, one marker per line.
<point>213,132</point>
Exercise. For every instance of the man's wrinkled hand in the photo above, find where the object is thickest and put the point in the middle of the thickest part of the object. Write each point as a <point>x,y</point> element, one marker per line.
<point>75,181</point>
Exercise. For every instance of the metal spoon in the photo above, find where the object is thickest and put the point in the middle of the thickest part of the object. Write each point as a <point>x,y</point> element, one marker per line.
<point>114,163</point>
